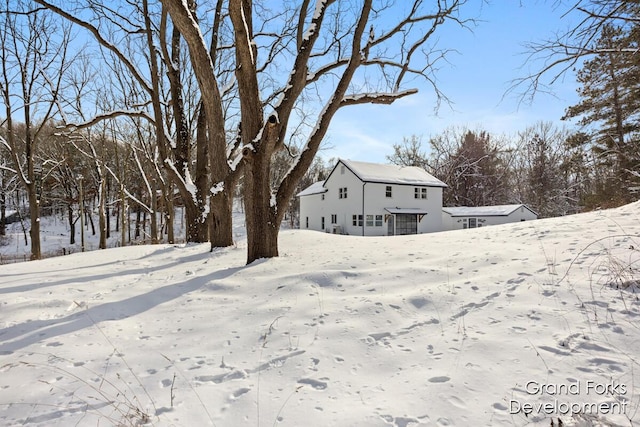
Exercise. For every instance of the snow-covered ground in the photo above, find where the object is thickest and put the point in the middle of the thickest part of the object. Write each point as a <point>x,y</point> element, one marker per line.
<point>519,325</point>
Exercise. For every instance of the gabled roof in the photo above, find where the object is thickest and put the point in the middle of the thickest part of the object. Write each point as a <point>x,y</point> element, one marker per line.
<point>390,174</point>
<point>498,210</point>
<point>315,188</point>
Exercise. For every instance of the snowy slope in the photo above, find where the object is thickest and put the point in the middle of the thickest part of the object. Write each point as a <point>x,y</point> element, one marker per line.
<point>461,328</point>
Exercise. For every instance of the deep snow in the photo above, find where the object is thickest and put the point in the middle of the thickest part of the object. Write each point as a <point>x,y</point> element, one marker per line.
<point>459,328</point>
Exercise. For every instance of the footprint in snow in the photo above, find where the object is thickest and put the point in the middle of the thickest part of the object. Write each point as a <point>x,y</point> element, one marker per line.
<point>241,391</point>
<point>316,384</point>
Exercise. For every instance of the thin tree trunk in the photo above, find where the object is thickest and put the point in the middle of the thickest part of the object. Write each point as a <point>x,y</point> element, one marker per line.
<point>102,213</point>
<point>90,221</point>
<point>107,210</point>
<point>123,216</point>
<point>153,226</point>
<point>137,234</point>
<point>3,211</point>
<point>72,225</point>
<point>34,215</point>
<point>170,213</point>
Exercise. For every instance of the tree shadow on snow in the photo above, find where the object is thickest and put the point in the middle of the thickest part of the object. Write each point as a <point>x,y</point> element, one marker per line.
<point>119,268</point>
<point>22,335</point>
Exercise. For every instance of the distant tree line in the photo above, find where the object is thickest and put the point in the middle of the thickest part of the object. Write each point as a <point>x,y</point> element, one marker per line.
<point>537,167</point>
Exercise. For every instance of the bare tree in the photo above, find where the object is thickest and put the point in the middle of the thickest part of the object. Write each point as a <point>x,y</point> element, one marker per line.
<point>410,153</point>
<point>346,54</point>
<point>542,177</point>
<point>132,36</point>
<point>564,50</point>
<point>34,56</point>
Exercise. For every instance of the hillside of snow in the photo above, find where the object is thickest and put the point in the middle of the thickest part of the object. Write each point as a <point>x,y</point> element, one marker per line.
<point>522,324</point>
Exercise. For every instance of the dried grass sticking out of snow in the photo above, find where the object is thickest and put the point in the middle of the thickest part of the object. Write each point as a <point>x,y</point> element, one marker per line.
<point>499,326</point>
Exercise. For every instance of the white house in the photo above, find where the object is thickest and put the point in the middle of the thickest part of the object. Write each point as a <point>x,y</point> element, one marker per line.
<point>370,199</point>
<point>469,217</point>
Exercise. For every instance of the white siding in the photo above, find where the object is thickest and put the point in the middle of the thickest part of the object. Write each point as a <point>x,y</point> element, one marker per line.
<point>403,197</point>
<point>374,194</point>
<point>344,208</point>
<point>457,222</point>
<point>312,207</point>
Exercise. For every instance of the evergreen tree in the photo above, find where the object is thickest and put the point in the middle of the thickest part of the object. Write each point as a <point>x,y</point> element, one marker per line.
<point>610,109</point>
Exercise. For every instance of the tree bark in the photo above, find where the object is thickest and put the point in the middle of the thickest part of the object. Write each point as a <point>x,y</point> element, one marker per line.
<point>3,207</point>
<point>34,216</point>
<point>102,212</point>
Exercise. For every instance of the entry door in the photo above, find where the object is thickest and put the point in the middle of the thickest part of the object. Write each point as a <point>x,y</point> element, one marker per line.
<point>390,225</point>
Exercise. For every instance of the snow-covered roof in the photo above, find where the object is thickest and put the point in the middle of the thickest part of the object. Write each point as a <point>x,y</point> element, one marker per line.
<point>315,188</point>
<point>391,174</point>
<point>498,210</point>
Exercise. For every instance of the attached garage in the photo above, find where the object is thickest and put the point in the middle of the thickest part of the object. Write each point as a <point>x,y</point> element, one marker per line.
<point>461,217</point>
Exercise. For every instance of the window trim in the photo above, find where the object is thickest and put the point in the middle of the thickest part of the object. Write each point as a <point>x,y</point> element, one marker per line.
<point>369,222</point>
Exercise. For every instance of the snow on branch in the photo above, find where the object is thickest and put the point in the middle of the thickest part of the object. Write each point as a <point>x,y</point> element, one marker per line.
<point>3,167</point>
<point>111,115</point>
<point>375,98</point>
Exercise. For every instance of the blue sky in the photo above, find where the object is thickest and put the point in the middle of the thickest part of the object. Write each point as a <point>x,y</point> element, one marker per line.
<point>475,80</point>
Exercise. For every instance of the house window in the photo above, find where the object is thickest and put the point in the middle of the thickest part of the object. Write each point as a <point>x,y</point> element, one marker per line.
<point>334,219</point>
<point>357,220</point>
<point>342,193</point>
<point>378,220</point>
<point>369,222</point>
<point>388,191</point>
<point>473,223</point>
<point>307,223</point>
<point>420,193</point>
<point>322,223</point>
<point>323,197</point>
<point>342,170</point>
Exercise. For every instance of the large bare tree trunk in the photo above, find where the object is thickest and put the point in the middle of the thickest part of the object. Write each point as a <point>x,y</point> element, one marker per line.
<point>345,48</point>
<point>260,204</point>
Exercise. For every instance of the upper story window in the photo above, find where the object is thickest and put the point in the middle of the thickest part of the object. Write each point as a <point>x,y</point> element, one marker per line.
<point>322,196</point>
<point>420,193</point>
<point>341,170</point>
<point>388,191</point>
<point>342,193</point>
